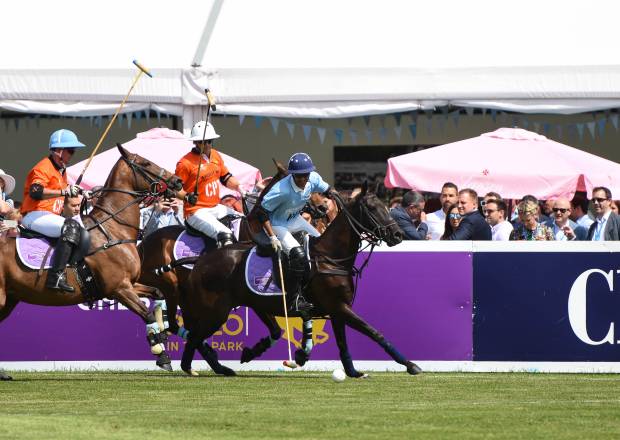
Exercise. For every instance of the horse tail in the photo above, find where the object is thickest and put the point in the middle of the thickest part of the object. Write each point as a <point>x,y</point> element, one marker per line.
<point>174,264</point>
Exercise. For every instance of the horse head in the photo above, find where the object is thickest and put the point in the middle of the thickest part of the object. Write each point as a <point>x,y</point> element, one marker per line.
<point>149,176</point>
<point>375,217</point>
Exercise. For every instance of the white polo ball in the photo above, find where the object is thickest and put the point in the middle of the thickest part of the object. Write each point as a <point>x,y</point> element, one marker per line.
<point>338,375</point>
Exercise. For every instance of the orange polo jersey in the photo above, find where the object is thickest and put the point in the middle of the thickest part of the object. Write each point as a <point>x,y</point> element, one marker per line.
<point>208,185</point>
<point>48,176</point>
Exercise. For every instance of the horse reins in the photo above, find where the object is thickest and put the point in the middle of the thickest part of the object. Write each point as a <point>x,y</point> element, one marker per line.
<point>157,186</point>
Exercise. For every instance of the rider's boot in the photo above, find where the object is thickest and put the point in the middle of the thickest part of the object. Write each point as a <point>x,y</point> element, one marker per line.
<point>298,267</point>
<point>225,239</point>
<point>69,238</point>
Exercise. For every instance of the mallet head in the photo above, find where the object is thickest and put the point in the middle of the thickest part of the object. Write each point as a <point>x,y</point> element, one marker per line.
<point>142,68</point>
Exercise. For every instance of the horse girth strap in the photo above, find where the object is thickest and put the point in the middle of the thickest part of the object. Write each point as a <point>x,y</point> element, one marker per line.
<point>110,244</point>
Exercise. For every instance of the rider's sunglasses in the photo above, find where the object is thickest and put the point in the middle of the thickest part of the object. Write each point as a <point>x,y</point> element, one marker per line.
<point>562,210</point>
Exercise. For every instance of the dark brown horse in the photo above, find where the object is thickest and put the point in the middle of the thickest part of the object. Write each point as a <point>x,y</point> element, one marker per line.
<point>217,283</point>
<point>113,259</point>
<point>156,252</point>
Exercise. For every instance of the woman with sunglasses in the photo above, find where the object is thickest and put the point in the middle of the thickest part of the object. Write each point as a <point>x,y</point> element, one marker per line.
<point>453,220</point>
<point>44,199</point>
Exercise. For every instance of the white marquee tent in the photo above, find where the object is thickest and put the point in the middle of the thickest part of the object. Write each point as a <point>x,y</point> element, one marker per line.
<point>309,58</point>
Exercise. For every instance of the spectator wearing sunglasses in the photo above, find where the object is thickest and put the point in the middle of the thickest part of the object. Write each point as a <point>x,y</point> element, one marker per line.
<point>495,214</point>
<point>453,219</point>
<point>410,216</point>
<point>472,226</point>
<point>564,229</point>
<point>606,226</point>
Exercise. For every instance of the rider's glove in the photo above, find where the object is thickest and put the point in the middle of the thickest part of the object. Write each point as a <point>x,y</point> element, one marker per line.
<point>191,198</point>
<point>73,190</point>
<point>275,243</point>
<point>87,194</point>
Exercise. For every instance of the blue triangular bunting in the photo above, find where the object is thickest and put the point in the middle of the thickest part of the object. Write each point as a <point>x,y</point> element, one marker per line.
<point>241,119</point>
<point>291,129</point>
<point>601,126</point>
<point>275,123</point>
<point>353,135</point>
<point>399,131</point>
<point>413,129</point>
<point>258,120</point>
<point>307,130</point>
<point>321,131</point>
<point>368,133</point>
<point>339,133</point>
<point>614,120</point>
<point>592,128</point>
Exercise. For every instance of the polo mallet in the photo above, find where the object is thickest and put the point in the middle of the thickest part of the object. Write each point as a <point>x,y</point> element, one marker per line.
<point>211,105</point>
<point>142,70</point>
<point>290,363</point>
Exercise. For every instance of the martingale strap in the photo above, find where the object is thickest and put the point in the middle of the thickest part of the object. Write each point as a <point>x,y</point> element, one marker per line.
<point>109,244</point>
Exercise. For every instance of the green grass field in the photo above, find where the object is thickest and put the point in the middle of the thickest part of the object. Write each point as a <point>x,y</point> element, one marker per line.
<point>303,405</point>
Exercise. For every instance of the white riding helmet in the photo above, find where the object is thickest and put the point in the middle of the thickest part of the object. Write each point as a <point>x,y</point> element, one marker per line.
<point>198,131</point>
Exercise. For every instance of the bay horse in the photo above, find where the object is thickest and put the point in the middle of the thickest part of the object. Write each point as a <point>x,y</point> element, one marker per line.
<point>113,258</point>
<point>217,282</point>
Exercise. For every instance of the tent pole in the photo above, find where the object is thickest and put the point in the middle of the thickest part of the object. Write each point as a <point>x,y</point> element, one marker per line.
<point>206,33</point>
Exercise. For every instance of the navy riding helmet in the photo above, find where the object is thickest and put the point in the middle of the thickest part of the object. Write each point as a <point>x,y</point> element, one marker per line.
<point>300,163</point>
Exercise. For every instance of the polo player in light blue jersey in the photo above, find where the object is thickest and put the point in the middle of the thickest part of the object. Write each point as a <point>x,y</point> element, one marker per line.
<point>280,216</point>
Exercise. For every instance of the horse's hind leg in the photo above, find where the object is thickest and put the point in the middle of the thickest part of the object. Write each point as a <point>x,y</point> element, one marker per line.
<point>356,322</point>
<point>275,332</point>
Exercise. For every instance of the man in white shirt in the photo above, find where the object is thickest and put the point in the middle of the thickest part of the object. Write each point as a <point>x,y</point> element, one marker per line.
<point>436,221</point>
<point>606,227</point>
<point>564,229</point>
<point>495,214</point>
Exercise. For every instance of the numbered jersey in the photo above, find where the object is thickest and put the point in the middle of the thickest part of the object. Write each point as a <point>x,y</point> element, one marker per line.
<point>208,183</point>
<point>49,177</point>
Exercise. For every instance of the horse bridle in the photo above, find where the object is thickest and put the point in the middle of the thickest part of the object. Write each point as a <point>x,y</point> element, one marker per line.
<point>157,187</point>
<point>375,235</point>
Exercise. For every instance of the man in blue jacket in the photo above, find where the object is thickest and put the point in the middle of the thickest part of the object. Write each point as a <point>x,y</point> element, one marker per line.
<point>473,226</point>
<point>409,216</point>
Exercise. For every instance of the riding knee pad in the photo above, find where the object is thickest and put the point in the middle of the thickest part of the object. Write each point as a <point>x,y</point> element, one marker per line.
<point>225,239</point>
<point>71,231</point>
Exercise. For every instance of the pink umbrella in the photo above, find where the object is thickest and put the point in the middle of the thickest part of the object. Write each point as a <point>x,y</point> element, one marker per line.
<point>511,161</point>
<point>163,147</point>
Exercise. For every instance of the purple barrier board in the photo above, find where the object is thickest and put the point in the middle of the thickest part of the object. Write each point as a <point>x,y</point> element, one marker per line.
<point>420,301</point>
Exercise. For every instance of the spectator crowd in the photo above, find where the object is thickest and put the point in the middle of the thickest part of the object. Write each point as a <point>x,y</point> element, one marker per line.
<point>464,215</point>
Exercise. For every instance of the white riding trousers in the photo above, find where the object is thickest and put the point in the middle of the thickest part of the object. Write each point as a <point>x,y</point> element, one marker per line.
<point>206,220</point>
<point>44,222</point>
<point>285,233</point>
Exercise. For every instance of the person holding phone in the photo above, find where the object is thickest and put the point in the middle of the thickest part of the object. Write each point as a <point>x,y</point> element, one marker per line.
<point>161,214</point>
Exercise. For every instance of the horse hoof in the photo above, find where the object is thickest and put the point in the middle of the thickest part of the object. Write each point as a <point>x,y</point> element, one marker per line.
<point>246,355</point>
<point>163,361</point>
<point>225,371</point>
<point>413,368</point>
<point>301,357</point>
<point>191,372</point>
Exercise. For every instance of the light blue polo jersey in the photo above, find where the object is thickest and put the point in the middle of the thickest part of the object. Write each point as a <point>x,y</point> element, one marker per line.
<point>284,200</point>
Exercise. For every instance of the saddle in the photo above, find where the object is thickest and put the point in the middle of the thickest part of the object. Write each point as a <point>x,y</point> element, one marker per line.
<point>35,251</point>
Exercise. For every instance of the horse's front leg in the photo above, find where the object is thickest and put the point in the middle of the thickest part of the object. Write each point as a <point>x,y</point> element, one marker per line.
<point>303,354</point>
<point>129,297</point>
<point>7,304</point>
<point>275,332</point>
<point>356,322</point>
<point>341,341</point>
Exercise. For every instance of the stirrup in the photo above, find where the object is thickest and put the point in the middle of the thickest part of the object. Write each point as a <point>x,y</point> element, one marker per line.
<point>299,304</point>
<point>60,283</point>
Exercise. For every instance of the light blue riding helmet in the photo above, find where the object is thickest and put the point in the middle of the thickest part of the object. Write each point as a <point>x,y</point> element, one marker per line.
<point>64,139</point>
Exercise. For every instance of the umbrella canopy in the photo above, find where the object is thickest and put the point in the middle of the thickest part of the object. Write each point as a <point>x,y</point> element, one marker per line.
<point>163,147</point>
<point>511,161</point>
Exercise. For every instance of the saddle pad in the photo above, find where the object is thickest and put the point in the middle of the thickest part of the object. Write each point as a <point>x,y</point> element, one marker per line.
<point>187,246</point>
<point>258,275</point>
<point>32,250</point>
